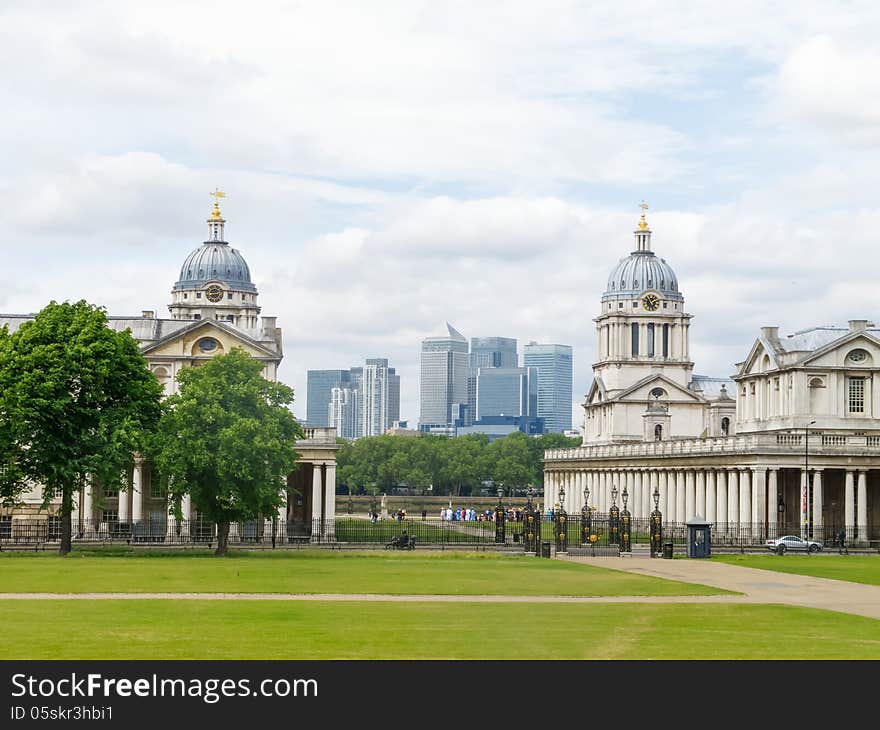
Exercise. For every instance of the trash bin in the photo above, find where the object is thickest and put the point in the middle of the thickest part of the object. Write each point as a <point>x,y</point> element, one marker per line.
<point>667,550</point>
<point>545,549</point>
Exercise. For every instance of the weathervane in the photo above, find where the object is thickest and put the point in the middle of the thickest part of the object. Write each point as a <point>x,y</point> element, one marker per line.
<point>643,224</point>
<point>217,194</point>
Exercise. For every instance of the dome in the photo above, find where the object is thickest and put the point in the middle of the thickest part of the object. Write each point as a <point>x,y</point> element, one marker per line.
<point>215,261</point>
<point>639,272</point>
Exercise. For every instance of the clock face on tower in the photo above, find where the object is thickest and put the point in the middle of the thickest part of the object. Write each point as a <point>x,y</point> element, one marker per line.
<point>651,302</point>
<point>214,293</point>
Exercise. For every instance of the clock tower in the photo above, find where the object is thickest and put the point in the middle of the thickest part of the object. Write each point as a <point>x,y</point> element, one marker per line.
<point>642,326</point>
<point>215,280</point>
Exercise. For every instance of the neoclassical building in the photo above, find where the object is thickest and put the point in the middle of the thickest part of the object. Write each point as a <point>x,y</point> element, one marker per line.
<point>214,308</point>
<point>790,443</point>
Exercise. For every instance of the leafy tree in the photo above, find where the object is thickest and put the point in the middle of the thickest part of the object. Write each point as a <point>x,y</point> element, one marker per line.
<point>76,400</point>
<point>227,439</point>
<point>512,467</point>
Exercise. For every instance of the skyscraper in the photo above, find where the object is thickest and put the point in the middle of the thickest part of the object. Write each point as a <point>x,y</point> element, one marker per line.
<point>319,385</point>
<point>554,383</point>
<point>443,384</point>
<point>506,392</point>
<point>487,352</point>
<point>360,401</point>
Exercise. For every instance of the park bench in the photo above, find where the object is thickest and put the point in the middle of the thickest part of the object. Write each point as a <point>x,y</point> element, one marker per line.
<point>397,543</point>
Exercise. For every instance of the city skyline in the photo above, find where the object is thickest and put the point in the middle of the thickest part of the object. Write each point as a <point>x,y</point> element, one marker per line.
<point>370,200</point>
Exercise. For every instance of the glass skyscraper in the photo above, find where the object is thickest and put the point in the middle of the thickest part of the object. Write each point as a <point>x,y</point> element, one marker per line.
<point>360,401</point>
<point>506,392</point>
<point>443,382</point>
<point>487,352</point>
<point>320,383</point>
<point>554,364</point>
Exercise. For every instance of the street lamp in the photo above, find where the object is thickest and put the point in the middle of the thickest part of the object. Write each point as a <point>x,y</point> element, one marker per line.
<point>806,500</point>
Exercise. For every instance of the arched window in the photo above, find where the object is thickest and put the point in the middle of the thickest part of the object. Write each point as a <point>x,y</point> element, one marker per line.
<point>658,432</point>
<point>725,426</point>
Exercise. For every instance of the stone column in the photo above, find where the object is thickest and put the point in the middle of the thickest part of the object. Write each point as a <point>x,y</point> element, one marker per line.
<point>672,495</point>
<point>636,492</point>
<point>772,503</point>
<point>745,501</point>
<point>701,494</point>
<point>317,502</point>
<point>710,496</point>
<point>862,505</point>
<point>802,507</point>
<point>137,491</point>
<point>664,493</point>
<point>733,499</point>
<point>122,511</point>
<point>88,508</point>
<point>680,512</point>
<point>721,501</point>
<point>170,523</point>
<point>186,514</point>
<point>649,481</point>
<point>690,494</point>
<point>759,501</point>
<point>818,502</point>
<point>849,507</point>
<point>330,503</point>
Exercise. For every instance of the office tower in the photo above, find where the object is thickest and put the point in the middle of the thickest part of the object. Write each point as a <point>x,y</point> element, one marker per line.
<point>344,412</point>
<point>506,392</point>
<point>487,352</point>
<point>443,384</point>
<point>554,383</point>
<point>319,385</point>
<point>380,397</point>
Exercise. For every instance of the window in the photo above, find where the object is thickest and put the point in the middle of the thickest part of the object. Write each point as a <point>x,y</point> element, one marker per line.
<point>54,526</point>
<point>725,426</point>
<point>110,515</point>
<point>650,340</point>
<point>198,295</point>
<point>658,432</point>
<point>197,316</point>
<point>665,340</point>
<point>111,492</point>
<point>5,527</point>
<point>635,339</point>
<point>185,295</point>
<point>856,395</point>
<point>229,295</point>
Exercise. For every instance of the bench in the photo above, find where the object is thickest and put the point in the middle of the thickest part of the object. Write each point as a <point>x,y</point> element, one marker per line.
<point>397,544</point>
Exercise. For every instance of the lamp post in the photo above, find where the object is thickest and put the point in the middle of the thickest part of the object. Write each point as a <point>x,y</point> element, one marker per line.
<point>806,499</point>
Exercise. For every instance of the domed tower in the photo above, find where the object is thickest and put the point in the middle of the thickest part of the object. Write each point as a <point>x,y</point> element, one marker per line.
<point>215,281</point>
<point>642,326</point>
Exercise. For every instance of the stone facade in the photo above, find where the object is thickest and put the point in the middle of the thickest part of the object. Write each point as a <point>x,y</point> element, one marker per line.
<point>790,444</point>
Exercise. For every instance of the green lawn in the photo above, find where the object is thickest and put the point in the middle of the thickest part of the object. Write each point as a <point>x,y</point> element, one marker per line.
<point>856,568</point>
<point>322,571</point>
<point>144,629</point>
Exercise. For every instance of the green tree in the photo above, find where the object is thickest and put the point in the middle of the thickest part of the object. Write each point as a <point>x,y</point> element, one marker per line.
<point>511,464</point>
<point>76,400</point>
<point>227,439</point>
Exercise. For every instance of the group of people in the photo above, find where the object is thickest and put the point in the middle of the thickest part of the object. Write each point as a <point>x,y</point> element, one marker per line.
<point>468,514</point>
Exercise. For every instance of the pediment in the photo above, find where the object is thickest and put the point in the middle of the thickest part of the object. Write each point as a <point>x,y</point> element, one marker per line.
<point>185,342</point>
<point>597,392</point>
<point>640,392</point>
<point>762,357</point>
<point>840,352</point>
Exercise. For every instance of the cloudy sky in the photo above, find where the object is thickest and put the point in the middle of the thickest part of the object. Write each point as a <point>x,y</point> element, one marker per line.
<point>393,165</point>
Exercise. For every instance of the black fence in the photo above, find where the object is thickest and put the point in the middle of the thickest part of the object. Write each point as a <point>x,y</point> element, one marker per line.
<point>350,530</point>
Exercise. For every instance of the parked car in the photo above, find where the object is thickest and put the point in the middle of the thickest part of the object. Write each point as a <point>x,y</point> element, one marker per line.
<point>792,542</point>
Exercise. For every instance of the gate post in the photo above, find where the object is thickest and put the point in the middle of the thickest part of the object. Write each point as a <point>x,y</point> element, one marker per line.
<point>614,519</point>
<point>500,519</point>
<point>625,526</point>
<point>560,518</point>
<point>531,527</point>
<point>586,519</point>
<point>656,526</point>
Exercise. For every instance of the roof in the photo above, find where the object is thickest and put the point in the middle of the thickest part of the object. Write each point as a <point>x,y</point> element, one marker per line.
<point>639,272</point>
<point>815,338</point>
<point>710,388</point>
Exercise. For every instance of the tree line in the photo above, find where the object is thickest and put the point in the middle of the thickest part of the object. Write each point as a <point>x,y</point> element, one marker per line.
<point>460,466</point>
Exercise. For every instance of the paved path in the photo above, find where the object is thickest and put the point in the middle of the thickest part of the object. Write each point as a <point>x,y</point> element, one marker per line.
<point>757,586</point>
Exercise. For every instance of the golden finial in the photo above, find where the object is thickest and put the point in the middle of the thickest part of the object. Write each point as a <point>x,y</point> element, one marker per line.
<point>215,212</point>
<point>643,224</point>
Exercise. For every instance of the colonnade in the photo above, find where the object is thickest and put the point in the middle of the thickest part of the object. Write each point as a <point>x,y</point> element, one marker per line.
<point>743,495</point>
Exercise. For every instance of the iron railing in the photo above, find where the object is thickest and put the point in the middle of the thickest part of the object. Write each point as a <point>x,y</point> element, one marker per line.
<point>350,530</point>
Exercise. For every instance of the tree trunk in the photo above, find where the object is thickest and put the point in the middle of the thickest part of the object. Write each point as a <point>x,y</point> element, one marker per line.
<point>66,527</point>
<point>222,538</point>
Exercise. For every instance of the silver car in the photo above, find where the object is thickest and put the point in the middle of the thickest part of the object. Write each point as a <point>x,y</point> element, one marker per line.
<point>792,542</point>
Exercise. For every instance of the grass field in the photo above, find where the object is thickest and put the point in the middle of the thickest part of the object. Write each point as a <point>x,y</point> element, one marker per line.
<point>321,571</point>
<point>856,568</point>
<point>144,629</point>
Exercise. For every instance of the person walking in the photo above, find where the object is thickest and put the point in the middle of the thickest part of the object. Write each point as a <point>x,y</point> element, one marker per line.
<point>841,541</point>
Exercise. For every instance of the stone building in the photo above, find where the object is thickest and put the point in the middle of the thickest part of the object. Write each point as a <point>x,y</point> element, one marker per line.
<point>789,444</point>
<point>214,308</point>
